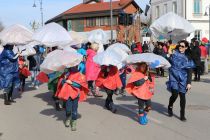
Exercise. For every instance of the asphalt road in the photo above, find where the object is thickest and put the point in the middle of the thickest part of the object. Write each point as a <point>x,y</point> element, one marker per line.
<point>33,117</point>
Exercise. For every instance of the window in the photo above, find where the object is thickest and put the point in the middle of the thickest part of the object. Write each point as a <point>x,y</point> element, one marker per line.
<point>115,22</point>
<point>165,8</point>
<point>157,11</point>
<point>198,34</point>
<point>69,25</point>
<point>105,21</point>
<point>91,22</point>
<point>197,6</point>
<point>174,7</point>
<point>98,21</point>
<point>77,25</point>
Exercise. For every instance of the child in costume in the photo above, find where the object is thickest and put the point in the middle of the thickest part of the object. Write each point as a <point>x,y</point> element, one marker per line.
<point>141,86</point>
<point>52,86</point>
<point>72,88</point>
<point>23,72</point>
<point>109,80</point>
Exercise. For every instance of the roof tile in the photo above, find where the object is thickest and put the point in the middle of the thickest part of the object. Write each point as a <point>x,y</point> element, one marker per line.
<point>93,7</point>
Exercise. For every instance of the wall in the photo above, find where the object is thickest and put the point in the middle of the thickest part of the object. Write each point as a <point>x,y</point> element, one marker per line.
<point>130,9</point>
<point>161,3</point>
<point>199,21</point>
<point>190,10</point>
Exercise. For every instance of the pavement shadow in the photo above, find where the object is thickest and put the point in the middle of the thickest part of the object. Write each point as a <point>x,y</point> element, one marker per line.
<point>160,108</point>
<point>1,134</point>
<point>125,98</point>
<point>16,95</point>
<point>58,115</point>
<point>120,111</point>
<point>205,80</point>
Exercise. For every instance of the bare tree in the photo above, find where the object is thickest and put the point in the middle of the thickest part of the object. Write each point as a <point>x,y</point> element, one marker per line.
<point>1,26</point>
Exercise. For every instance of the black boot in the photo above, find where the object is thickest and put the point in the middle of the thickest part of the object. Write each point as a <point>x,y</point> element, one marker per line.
<point>57,106</point>
<point>107,102</point>
<point>112,107</point>
<point>10,98</point>
<point>170,111</point>
<point>182,116</point>
<point>64,105</point>
<point>122,92</point>
<point>6,101</point>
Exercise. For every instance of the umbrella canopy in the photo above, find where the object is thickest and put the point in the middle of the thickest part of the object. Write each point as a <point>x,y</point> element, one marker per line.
<point>155,61</point>
<point>119,46</point>
<point>98,36</point>
<point>171,26</point>
<point>58,60</point>
<point>52,35</point>
<point>108,58</point>
<point>70,49</point>
<point>120,49</point>
<point>16,34</point>
<point>26,50</point>
<point>78,38</point>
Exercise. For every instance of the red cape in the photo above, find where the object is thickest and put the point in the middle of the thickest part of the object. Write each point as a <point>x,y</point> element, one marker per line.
<point>145,91</point>
<point>67,91</point>
<point>42,77</point>
<point>112,81</point>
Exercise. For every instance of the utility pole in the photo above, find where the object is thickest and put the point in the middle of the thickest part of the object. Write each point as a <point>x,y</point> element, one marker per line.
<point>111,21</point>
<point>41,10</point>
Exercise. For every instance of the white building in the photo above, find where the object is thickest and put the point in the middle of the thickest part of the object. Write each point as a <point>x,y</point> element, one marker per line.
<point>192,10</point>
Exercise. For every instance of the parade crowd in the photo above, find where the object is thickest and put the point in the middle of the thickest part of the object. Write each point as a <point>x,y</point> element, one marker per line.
<point>74,84</point>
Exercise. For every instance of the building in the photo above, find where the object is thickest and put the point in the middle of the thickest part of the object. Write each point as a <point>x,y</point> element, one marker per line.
<point>192,10</point>
<point>95,14</point>
<point>195,10</point>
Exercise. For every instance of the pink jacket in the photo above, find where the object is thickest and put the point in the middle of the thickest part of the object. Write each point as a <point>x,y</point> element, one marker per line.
<point>92,69</point>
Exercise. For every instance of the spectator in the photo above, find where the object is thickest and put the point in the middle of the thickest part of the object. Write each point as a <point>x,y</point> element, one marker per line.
<point>145,47</point>
<point>196,56</point>
<point>160,51</point>
<point>204,57</point>
<point>205,54</point>
<point>151,46</point>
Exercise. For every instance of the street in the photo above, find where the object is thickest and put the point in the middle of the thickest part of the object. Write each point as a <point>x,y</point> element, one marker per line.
<point>33,117</point>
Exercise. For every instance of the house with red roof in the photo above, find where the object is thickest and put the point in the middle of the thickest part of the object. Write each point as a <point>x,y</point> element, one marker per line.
<point>95,14</point>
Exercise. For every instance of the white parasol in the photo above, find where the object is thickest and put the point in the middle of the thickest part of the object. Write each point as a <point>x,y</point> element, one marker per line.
<point>155,61</point>
<point>109,58</point>
<point>52,35</point>
<point>119,46</point>
<point>78,37</point>
<point>16,34</point>
<point>58,60</point>
<point>171,26</point>
<point>70,49</point>
<point>98,36</point>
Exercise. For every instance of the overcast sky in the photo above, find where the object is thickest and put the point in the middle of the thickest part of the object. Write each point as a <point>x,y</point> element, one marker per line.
<point>22,12</point>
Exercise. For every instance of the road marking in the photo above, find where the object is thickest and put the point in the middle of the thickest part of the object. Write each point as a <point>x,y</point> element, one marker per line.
<point>131,110</point>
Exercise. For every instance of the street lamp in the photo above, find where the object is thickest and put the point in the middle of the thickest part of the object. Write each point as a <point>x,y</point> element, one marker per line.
<point>206,14</point>
<point>41,10</point>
